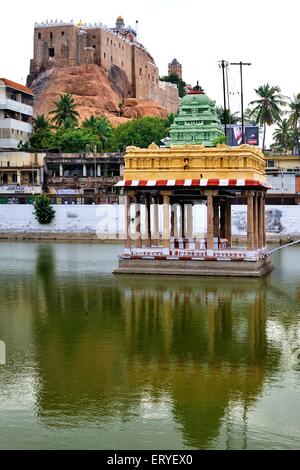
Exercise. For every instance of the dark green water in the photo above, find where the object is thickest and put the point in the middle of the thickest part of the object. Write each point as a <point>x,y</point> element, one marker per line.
<point>97,361</point>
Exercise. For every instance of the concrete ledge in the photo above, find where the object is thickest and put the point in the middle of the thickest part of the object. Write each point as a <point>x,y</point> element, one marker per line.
<point>195,268</point>
<point>57,236</point>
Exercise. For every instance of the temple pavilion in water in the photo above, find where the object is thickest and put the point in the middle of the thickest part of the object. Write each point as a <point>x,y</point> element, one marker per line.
<point>193,170</point>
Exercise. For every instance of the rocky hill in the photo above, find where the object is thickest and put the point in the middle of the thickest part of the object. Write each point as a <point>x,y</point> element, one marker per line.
<point>96,93</point>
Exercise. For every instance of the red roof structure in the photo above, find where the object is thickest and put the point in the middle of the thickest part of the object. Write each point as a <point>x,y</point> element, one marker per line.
<point>16,86</point>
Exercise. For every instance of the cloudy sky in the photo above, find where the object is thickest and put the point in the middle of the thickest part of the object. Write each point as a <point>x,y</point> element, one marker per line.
<point>197,33</point>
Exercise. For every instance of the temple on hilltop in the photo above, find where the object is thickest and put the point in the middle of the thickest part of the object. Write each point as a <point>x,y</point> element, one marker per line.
<point>197,122</point>
<point>129,65</point>
<point>193,171</point>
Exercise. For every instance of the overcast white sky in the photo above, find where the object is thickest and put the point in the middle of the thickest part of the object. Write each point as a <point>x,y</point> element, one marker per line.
<point>197,33</point>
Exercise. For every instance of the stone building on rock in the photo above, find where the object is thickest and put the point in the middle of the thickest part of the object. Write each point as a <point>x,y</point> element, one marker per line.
<point>117,50</point>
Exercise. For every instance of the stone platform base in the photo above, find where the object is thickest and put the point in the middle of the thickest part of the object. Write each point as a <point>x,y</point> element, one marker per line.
<point>195,268</point>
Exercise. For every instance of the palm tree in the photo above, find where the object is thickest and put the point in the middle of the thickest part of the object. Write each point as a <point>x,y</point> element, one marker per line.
<point>169,120</point>
<point>250,117</point>
<point>100,126</point>
<point>267,108</point>
<point>65,114</point>
<point>40,123</point>
<point>283,134</point>
<point>294,119</point>
<point>231,118</point>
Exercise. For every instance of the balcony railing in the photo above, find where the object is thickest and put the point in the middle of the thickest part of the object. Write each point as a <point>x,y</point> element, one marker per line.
<point>84,181</point>
<point>16,106</point>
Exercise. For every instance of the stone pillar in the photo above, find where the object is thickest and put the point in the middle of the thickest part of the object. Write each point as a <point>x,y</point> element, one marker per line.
<point>260,222</point>
<point>127,206</point>
<point>61,171</point>
<point>84,170</point>
<point>166,227</point>
<point>189,221</point>
<point>18,177</point>
<point>250,222</point>
<point>255,220</point>
<point>264,220</point>
<point>210,222</point>
<point>155,236</point>
<point>147,222</point>
<point>176,234</point>
<point>216,218</point>
<point>228,229</point>
<point>137,224</point>
<point>98,169</point>
<point>38,177</point>
<point>182,221</point>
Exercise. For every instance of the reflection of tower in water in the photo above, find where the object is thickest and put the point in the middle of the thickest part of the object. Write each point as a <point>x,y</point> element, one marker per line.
<point>201,344</point>
<point>215,342</point>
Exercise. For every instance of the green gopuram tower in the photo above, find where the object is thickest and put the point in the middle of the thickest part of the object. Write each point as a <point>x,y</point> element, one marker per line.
<point>197,121</point>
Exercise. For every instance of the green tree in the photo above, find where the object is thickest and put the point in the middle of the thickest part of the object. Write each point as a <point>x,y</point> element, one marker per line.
<point>41,140</point>
<point>173,78</point>
<point>283,135</point>
<point>101,127</point>
<point>231,118</point>
<point>267,108</point>
<point>41,122</point>
<point>65,114</point>
<point>250,117</point>
<point>76,140</point>
<point>222,139</point>
<point>294,119</point>
<point>139,132</point>
<point>43,211</point>
<point>169,121</point>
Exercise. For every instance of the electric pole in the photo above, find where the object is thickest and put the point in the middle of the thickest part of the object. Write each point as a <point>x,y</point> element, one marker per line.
<point>241,64</point>
<point>224,64</point>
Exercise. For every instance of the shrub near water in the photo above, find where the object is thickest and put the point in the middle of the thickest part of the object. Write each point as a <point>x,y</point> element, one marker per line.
<point>44,213</point>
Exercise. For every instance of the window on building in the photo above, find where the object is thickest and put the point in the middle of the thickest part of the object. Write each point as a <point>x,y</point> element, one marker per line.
<point>39,36</point>
<point>111,58</point>
<point>51,36</point>
<point>111,42</point>
<point>107,40</point>
<point>119,46</point>
<point>51,52</point>
<point>140,71</point>
<point>94,46</point>
<point>94,37</point>
<point>122,64</point>
<point>104,55</point>
<point>62,33</point>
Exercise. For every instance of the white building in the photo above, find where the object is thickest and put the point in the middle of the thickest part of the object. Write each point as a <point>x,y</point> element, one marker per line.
<point>16,112</point>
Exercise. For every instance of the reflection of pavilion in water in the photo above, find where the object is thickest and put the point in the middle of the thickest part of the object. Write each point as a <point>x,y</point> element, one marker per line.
<point>203,345</point>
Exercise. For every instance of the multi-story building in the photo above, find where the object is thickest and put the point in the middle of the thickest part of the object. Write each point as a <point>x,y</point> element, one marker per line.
<point>283,174</point>
<point>16,112</point>
<point>21,176</point>
<point>83,178</point>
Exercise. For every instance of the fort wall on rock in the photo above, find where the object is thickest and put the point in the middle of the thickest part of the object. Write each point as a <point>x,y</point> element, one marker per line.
<point>68,44</point>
